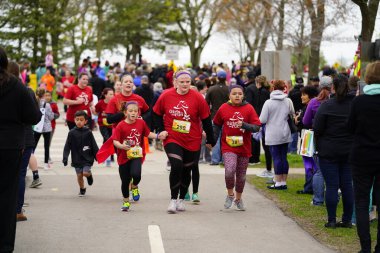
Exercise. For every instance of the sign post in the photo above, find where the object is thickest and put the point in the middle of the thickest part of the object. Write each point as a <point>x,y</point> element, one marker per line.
<point>172,52</point>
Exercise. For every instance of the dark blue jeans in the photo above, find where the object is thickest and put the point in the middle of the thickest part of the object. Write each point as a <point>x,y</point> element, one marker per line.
<point>338,175</point>
<point>280,161</point>
<point>21,185</point>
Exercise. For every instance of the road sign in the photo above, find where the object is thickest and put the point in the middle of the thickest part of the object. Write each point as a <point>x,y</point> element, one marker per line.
<point>171,52</point>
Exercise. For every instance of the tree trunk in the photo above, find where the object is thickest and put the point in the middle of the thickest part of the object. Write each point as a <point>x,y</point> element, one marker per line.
<point>55,45</point>
<point>35,51</point>
<point>195,56</point>
<point>281,26</point>
<point>99,28</point>
<point>368,14</point>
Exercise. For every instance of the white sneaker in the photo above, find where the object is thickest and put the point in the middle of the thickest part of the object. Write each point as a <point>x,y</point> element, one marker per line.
<point>172,208</point>
<point>265,173</point>
<point>46,166</point>
<point>180,205</point>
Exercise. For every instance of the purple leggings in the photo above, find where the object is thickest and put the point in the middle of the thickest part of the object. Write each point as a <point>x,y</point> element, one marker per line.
<point>235,165</point>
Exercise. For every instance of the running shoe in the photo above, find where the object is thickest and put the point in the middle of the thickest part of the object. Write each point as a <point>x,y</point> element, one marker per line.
<point>125,206</point>
<point>46,166</point>
<point>195,198</point>
<point>180,205</point>
<point>239,205</point>
<point>37,182</point>
<point>90,180</point>
<point>172,208</point>
<point>187,197</point>
<point>266,173</point>
<point>229,201</point>
<point>82,192</point>
<point>135,194</point>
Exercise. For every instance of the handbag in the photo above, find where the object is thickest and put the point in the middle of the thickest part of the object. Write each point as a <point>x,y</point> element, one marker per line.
<point>292,125</point>
<point>307,147</point>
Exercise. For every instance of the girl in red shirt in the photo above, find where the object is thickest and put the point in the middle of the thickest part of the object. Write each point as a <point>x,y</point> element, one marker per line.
<point>180,111</point>
<point>100,108</point>
<point>128,138</point>
<point>238,120</point>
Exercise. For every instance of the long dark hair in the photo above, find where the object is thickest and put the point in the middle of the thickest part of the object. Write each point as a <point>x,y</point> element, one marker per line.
<point>4,76</point>
<point>340,84</point>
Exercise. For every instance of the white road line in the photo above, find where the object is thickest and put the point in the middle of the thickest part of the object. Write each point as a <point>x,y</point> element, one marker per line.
<point>156,244</point>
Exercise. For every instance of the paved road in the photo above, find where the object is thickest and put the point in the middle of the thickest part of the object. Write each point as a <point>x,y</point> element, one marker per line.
<point>59,221</point>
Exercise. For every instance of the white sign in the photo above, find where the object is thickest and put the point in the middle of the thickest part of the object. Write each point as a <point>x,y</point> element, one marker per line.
<point>171,52</point>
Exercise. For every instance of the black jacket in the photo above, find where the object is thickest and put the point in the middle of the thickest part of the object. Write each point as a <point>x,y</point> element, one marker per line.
<point>363,123</point>
<point>18,110</point>
<point>98,85</point>
<point>216,96</point>
<point>295,96</point>
<point>82,145</point>
<point>147,93</point>
<point>333,140</point>
<point>257,97</point>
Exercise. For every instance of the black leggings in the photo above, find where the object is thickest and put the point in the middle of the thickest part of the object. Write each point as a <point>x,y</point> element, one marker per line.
<point>46,143</point>
<point>182,163</point>
<point>195,178</point>
<point>128,171</point>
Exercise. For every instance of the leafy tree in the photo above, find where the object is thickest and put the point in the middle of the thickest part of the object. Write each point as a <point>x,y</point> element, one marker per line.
<point>134,24</point>
<point>368,10</point>
<point>196,20</point>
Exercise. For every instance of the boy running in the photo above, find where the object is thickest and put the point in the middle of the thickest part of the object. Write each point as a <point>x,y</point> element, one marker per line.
<point>82,145</point>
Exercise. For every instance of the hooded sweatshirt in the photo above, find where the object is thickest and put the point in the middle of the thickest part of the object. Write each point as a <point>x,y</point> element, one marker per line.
<point>18,109</point>
<point>275,115</point>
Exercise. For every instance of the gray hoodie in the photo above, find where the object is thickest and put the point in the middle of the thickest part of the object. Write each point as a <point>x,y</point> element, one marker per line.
<point>275,115</point>
<point>49,116</point>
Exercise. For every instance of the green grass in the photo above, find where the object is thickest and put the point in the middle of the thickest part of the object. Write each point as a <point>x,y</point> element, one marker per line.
<point>311,218</point>
<point>295,161</point>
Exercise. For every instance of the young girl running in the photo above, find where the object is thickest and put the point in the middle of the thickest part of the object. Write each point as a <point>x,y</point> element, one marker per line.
<point>100,108</point>
<point>128,138</point>
<point>238,120</point>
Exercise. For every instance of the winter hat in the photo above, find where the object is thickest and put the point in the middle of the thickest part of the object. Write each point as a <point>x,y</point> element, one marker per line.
<point>325,82</point>
<point>221,74</point>
<point>233,86</point>
<point>251,75</point>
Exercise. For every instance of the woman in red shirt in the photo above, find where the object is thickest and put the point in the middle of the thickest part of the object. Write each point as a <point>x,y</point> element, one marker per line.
<point>114,107</point>
<point>180,111</point>
<point>100,108</point>
<point>238,120</point>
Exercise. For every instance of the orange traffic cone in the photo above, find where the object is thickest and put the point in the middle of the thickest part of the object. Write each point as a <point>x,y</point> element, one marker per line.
<point>146,143</point>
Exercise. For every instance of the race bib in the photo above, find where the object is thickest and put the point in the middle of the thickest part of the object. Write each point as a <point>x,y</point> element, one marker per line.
<point>134,152</point>
<point>234,141</point>
<point>105,122</point>
<point>181,126</point>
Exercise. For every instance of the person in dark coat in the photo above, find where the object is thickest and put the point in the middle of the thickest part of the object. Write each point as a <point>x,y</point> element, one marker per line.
<point>20,110</point>
<point>295,96</point>
<point>146,92</point>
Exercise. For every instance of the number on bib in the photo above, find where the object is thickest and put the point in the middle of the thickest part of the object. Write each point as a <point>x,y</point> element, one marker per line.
<point>134,152</point>
<point>181,126</point>
<point>234,141</point>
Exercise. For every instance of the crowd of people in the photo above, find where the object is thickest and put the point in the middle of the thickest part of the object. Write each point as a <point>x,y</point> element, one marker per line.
<point>211,114</point>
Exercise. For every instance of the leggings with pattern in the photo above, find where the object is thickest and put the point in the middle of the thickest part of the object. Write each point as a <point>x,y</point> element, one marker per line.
<point>235,166</point>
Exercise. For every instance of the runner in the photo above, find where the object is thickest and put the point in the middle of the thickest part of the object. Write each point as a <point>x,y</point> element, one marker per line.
<point>114,107</point>
<point>128,138</point>
<point>82,145</point>
<point>180,111</point>
<point>105,128</point>
<point>78,97</point>
<point>239,120</point>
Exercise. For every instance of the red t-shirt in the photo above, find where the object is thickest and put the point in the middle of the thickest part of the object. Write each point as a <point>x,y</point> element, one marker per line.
<point>134,133</point>
<point>228,116</point>
<point>73,93</point>
<point>183,113</point>
<point>114,106</point>
<point>100,108</point>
